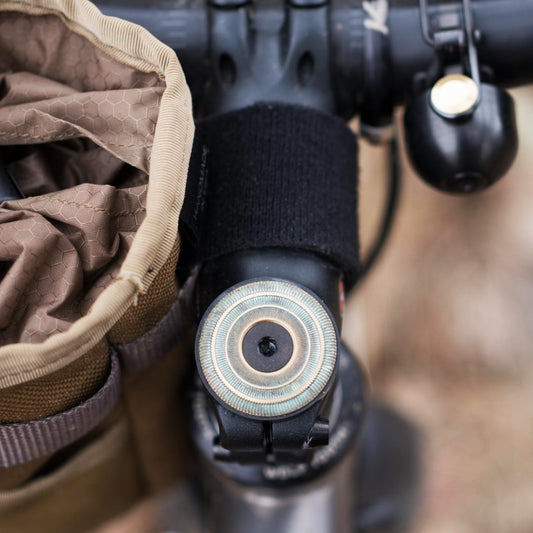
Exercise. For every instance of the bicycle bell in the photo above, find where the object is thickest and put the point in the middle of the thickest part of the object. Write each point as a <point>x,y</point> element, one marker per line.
<point>461,133</point>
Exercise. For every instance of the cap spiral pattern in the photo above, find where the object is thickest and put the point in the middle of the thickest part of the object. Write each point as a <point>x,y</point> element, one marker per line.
<point>234,381</point>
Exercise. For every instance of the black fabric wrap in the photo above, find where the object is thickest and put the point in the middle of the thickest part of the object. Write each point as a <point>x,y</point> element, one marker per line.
<point>273,175</point>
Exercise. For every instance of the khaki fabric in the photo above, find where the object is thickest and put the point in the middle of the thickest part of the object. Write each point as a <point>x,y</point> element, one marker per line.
<point>62,251</point>
<point>56,392</point>
<point>17,476</point>
<point>104,471</point>
<point>131,64</point>
<point>154,400</point>
<point>151,306</point>
<point>96,126</point>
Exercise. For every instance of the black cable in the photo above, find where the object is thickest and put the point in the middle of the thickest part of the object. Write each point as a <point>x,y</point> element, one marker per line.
<point>393,195</point>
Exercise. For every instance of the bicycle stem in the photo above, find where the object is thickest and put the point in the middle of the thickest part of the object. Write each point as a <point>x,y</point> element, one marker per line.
<point>289,244</point>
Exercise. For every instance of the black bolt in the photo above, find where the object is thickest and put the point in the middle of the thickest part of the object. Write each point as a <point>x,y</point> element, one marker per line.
<point>267,346</point>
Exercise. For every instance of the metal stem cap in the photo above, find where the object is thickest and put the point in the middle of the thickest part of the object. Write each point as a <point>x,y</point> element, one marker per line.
<point>271,381</point>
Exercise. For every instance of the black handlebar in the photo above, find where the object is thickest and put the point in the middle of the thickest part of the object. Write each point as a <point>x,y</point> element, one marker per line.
<point>359,37</point>
<point>505,46</point>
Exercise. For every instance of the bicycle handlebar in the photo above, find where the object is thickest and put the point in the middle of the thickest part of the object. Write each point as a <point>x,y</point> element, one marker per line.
<point>505,43</point>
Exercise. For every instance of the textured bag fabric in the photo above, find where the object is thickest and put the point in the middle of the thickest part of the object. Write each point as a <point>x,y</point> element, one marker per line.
<point>96,127</point>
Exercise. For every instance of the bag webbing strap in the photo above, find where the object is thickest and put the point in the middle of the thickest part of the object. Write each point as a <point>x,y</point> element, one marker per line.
<point>145,350</point>
<point>25,441</point>
<point>273,176</point>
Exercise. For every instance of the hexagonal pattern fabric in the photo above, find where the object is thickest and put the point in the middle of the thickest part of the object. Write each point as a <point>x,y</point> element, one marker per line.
<point>77,129</point>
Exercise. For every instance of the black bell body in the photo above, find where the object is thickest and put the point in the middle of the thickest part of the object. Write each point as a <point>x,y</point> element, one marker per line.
<point>464,154</point>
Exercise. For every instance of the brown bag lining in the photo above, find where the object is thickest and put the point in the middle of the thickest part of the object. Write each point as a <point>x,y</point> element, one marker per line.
<point>61,251</point>
<point>82,91</point>
<point>50,167</point>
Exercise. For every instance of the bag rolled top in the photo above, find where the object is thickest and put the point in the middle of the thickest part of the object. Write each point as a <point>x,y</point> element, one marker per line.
<point>96,128</point>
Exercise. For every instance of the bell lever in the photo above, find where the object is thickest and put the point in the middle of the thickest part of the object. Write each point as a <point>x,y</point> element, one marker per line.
<point>454,94</point>
<point>470,42</point>
<point>453,38</point>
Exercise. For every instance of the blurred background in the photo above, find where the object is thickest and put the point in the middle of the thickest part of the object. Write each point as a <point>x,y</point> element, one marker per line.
<point>444,325</point>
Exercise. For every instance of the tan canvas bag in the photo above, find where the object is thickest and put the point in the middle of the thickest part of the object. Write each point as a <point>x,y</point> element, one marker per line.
<point>96,127</point>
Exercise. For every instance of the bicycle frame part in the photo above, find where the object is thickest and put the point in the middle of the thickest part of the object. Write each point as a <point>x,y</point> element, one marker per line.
<point>318,495</point>
<point>342,56</point>
<point>280,403</point>
<point>325,505</point>
<point>349,57</point>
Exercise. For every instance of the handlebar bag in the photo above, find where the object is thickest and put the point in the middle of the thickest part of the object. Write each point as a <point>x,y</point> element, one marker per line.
<point>96,128</point>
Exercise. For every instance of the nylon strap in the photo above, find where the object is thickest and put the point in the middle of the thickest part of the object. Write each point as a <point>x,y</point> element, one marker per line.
<point>145,350</point>
<point>273,176</point>
<point>26,441</point>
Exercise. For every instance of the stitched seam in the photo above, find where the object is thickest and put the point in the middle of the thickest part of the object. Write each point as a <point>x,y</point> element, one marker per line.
<point>93,208</point>
<point>66,136</point>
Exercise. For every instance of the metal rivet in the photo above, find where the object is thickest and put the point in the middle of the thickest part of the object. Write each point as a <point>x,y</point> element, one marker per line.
<point>454,96</point>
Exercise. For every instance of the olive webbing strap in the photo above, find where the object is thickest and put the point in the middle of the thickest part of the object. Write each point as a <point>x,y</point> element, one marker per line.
<point>145,350</point>
<point>25,441</point>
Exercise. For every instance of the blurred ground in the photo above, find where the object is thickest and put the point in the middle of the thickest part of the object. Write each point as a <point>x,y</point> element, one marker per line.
<point>444,324</point>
